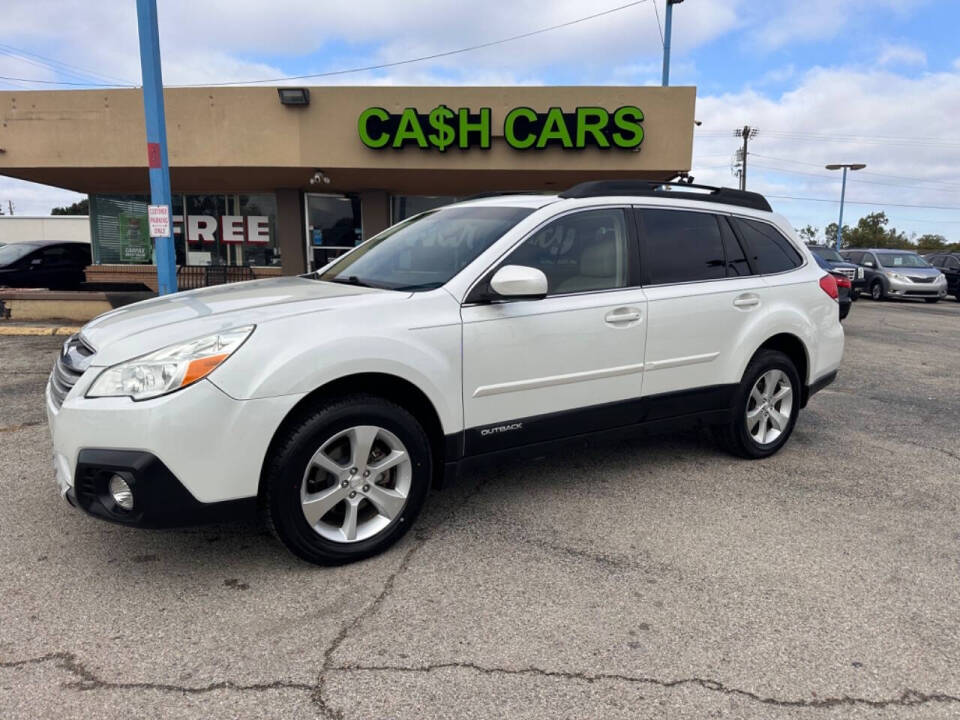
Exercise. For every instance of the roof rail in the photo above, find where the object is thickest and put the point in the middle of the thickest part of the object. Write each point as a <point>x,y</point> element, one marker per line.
<point>501,193</point>
<point>652,188</point>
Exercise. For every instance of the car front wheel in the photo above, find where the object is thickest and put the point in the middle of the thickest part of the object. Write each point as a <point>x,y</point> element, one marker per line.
<point>876,290</point>
<point>765,407</point>
<point>347,481</point>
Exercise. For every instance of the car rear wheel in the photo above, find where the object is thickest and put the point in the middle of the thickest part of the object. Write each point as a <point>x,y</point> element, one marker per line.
<point>876,290</point>
<point>347,481</point>
<point>765,407</point>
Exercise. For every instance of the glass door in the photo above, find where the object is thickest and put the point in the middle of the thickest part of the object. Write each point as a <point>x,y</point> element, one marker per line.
<point>333,227</point>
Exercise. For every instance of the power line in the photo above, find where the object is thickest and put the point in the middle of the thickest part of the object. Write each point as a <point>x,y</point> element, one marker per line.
<point>659,26</point>
<point>864,172</point>
<point>58,65</point>
<point>61,82</point>
<point>434,56</point>
<point>879,203</point>
<point>858,180</point>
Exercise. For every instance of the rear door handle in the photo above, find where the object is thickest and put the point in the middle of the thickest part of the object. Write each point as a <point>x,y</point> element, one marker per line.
<point>746,301</point>
<point>622,315</point>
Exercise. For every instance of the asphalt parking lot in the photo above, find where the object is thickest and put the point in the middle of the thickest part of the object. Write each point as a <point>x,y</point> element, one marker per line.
<point>652,578</point>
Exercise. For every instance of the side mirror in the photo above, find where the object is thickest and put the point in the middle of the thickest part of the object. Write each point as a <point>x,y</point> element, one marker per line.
<point>867,263</point>
<point>35,262</point>
<point>519,281</point>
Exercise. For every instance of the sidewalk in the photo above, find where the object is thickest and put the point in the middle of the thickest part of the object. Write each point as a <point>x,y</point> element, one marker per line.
<point>14,328</point>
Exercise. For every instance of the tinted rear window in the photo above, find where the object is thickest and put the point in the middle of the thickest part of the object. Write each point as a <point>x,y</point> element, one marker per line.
<point>770,251</point>
<point>681,246</point>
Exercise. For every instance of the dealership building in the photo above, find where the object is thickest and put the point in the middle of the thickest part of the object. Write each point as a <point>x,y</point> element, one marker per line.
<point>278,181</point>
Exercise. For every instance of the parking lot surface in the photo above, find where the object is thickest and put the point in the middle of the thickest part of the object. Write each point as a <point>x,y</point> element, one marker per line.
<point>649,578</point>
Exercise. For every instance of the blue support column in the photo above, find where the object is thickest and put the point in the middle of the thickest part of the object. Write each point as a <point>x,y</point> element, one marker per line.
<point>843,192</point>
<point>165,255</point>
<point>668,28</point>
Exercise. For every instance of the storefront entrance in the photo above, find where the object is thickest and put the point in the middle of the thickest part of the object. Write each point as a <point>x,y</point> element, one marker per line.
<point>333,227</point>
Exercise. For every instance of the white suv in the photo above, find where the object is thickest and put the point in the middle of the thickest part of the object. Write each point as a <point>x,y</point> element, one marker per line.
<point>334,401</point>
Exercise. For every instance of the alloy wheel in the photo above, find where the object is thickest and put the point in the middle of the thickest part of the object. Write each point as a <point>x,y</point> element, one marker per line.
<point>356,483</point>
<point>769,407</point>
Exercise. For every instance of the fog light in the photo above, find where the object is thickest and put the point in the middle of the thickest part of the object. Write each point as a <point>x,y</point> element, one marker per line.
<point>121,492</point>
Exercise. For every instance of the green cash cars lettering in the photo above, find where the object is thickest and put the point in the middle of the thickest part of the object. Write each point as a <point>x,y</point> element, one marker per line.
<point>510,130</point>
<point>592,121</point>
<point>409,129</point>
<point>482,127</point>
<point>363,127</point>
<point>628,119</point>
<point>439,120</point>
<point>554,128</point>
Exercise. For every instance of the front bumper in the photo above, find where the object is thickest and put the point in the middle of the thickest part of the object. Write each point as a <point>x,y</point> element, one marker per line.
<point>198,440</point>
<point>159,498</point>
<point>908,288</point>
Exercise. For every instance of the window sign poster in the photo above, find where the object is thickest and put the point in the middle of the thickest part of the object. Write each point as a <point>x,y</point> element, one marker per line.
<point>135,245</point>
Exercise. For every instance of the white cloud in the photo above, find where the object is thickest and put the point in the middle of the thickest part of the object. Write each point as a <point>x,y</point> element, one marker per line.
<point>892,54</point>
<point>900,126</point>
<point>33,199</point>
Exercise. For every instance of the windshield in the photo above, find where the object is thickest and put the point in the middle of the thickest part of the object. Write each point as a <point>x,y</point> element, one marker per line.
<point>905,259</point>
<point>12,253</point>
<point>828,254</point>
<point>425,251</point>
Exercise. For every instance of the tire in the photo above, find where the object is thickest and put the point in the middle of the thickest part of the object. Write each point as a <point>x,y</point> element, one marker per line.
<point>931,300</point>
<point>876,290</point>
<point>318,463</point>
<point>737,436</point>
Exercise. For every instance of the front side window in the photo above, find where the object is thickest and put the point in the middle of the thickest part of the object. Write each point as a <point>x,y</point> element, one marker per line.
<point>905,259</point>
<point>681,246</point>
<point>580,252</point>
<point>427,250</point>
<point>770,250</point>
<point>11,253</point>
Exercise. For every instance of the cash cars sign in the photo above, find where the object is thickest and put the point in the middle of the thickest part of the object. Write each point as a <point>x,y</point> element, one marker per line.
<point>444,128</point>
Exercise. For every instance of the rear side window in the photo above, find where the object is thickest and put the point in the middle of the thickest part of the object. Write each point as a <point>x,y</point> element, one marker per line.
<point>770,250</point>
<point>681,246</point>
<point>951,263</point>
<point>737,265</point>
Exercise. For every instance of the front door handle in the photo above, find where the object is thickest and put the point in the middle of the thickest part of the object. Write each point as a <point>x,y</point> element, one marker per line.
<point>622,315</point>
<point>746,301</point>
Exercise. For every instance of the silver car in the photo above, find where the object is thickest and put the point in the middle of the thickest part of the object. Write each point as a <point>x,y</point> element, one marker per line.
<point>898,274</point>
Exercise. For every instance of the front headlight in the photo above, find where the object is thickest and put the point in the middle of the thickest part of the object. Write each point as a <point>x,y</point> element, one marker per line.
<point>859,273</point>
<point>941,278</point>
<point>897,276</point>
<point>168,369</point>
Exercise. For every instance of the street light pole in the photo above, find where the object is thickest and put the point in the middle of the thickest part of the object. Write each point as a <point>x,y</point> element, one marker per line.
<point>156,125</point>
<point>843,193</point>
<point>667,31</point>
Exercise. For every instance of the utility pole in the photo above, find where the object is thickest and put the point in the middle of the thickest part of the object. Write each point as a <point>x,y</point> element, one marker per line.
<point>747,133</point>
<point>156,123</point>
<point>10,206</point>
<point>843,193</point>
<point>667,30</point>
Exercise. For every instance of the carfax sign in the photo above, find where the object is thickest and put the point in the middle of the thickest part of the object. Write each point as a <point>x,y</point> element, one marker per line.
<point>523,128</point>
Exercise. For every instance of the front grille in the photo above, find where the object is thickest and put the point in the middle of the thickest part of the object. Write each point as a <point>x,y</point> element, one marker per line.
<point>851,273</point>
<point>74,358</point>
<point>921,279</point>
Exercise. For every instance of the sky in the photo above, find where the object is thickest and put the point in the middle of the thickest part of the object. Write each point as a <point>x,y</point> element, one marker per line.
<point>824,81</point>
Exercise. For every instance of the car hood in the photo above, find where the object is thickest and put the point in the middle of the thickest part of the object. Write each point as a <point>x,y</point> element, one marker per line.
<point>146,326</point>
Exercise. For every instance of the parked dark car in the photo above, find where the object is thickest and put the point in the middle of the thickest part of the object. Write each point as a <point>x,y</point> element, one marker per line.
<point>844,293</point>
<point>44,264</point>
<point>898,274</point>
<point>829,259</point>
<point>949,265</point>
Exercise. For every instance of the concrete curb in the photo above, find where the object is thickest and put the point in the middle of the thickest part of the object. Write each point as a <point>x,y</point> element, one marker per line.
<point>34,330</point>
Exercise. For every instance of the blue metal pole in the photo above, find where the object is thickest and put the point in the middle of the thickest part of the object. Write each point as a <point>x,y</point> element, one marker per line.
<point>668,24</point>
<point>843,192</point>
<point>156,123</point>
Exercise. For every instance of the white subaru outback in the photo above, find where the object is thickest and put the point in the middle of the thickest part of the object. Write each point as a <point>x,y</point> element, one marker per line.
<point>333,401</point>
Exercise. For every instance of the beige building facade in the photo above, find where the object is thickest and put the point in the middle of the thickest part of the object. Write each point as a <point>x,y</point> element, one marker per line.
<point>278,187</point>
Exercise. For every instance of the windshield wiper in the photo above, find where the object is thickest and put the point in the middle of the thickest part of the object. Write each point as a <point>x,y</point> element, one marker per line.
<point>350,280</point>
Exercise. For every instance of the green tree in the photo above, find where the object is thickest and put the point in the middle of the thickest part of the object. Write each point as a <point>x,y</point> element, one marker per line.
<point>808,234</point>
<point>931,243</point>
<point>78,208</point>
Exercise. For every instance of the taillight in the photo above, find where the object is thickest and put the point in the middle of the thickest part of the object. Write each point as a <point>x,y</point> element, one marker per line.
<point>829,284</point>
<point>843,281</point>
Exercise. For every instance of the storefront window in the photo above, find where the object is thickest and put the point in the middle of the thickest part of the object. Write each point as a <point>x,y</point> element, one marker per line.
<point>211,229</point>
<point>404,206</point>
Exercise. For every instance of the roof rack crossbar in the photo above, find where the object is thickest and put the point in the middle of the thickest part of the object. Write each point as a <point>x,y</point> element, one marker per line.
<point>653,188</point>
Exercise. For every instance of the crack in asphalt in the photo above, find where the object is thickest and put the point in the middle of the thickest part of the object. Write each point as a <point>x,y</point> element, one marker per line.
<point>88,680</point>
<point>907,698</point>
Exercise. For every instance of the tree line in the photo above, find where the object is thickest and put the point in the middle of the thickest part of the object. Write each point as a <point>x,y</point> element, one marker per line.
<point>872,231</point>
